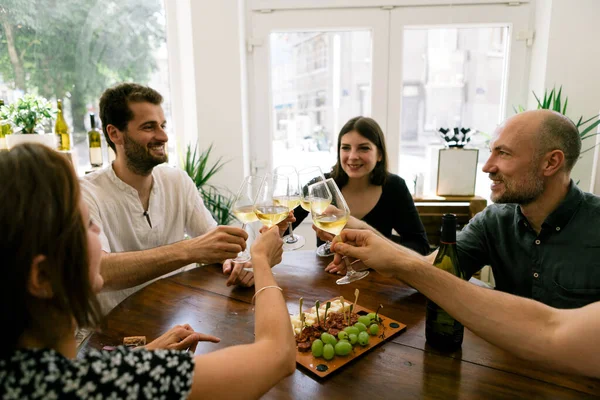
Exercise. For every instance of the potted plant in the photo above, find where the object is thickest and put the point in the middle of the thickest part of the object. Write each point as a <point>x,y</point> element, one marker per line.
<point>554,101</point>
<point>197,167</point>
<point>457,166</point>
<point>27,115</point>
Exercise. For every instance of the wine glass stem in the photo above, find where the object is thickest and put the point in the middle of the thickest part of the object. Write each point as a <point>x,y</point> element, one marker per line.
<point>349,269</point>
<point>245,251</point>
<point>291,230</point>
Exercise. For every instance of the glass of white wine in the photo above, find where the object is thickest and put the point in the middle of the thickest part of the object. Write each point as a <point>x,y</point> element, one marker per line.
<point>332,217</point>
<point>291,200</point>
<point>243,208</point>
<point>307,177</point>
<point>267,207</point>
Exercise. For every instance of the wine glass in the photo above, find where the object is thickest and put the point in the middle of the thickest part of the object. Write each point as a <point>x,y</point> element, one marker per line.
<point>332,216</point>
<point>243,208</point>
<point>267,207</point>
<point>309,176</point>
<point>291,200</point>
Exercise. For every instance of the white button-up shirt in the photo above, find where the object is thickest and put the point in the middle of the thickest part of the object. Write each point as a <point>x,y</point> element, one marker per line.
<point>175,208</point>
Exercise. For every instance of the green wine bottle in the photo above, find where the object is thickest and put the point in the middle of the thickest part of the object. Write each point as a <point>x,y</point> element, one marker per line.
<point>3,130</point>
<point>61,129</point>
<point>441,330</point>
<point>95,143</point>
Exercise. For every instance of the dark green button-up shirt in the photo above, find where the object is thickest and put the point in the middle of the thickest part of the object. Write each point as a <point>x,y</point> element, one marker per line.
<point>559,267</point>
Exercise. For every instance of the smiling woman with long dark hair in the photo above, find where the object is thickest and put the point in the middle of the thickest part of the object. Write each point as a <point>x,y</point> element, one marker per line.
<point>374,195</point>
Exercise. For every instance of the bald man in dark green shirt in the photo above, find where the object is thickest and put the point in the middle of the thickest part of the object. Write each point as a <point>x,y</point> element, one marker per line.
<point>542,237</point>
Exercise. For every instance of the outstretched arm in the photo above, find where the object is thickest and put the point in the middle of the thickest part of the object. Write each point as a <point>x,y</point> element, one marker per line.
<point>129,269</point>
<point>557,339</point>
<point>248,371</point>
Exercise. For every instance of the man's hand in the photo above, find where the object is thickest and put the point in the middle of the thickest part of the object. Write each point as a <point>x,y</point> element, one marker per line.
<point>353,223</point>
<point>375,252</point>
<point>217,245</point>
<point>340,268</point>
<point>269,246</point>
<point>238,275</point>
<point>181,337</point>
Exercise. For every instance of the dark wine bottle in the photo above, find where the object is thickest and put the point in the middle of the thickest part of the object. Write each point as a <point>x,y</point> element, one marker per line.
<point>441,330</point>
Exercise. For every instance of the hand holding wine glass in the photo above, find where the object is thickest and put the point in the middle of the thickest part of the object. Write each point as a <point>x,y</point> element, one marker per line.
<point>243,208</point>
<point>267,208</point>
<point>291,200</point>
<point>331,213</point>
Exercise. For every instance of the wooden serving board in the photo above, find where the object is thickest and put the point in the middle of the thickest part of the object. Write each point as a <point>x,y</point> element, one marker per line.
<point>322,368</point>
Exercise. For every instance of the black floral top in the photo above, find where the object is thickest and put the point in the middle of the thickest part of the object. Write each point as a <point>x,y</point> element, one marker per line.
<point>120,374</point>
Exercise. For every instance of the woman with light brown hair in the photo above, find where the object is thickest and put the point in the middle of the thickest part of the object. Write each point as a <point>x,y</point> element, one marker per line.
<point>50,274</point>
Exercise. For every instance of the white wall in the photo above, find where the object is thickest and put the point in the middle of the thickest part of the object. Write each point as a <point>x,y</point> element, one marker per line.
<point>217,30</point>
<point>567,52</point>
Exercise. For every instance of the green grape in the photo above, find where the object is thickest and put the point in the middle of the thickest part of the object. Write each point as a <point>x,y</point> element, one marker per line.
<point>352,330</point>
<point>360,326</point>
<point>353,337</point>
<point>343,335</point>
<point>365,320</point>
<point>317,348</point>
<point>363,338</point>
<point>328,351</point>
<point>374,316</point>
<point>343,348</point>
<point>374,329</point>
<point>328,338</point>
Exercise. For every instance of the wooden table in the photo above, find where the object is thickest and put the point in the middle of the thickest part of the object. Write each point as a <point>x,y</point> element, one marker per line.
<point>405,367</point>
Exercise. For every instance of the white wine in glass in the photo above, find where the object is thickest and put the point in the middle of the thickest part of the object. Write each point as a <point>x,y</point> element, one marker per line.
<point>332,218</point>
<point>267,208</point>
<point>243,208</point>
<point>291,200</point>
<point>309,176</point>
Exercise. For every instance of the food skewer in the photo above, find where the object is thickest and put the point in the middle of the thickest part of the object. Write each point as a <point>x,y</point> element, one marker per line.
<point>302,316</point>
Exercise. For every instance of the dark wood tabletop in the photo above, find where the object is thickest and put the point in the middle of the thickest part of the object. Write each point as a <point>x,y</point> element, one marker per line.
<point>405,367</point>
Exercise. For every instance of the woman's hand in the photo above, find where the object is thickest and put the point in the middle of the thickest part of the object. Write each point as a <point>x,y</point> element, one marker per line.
<point>181,337</point>
<point>269,246</point>
<point>238,273</point>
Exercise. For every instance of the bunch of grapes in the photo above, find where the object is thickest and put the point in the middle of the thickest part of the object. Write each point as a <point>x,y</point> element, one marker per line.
<point>329,346</point>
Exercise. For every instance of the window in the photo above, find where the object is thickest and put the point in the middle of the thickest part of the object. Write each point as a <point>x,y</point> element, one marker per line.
<point>75,49</point>
<point>319,81</point>
<point>453,77</point>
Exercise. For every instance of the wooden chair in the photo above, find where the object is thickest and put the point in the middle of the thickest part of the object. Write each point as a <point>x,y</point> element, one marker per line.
<point>431,209</point>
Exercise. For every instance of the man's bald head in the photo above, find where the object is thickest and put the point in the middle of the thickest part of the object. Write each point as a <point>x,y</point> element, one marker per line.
<point>557,132</point>
<point>548,130</point>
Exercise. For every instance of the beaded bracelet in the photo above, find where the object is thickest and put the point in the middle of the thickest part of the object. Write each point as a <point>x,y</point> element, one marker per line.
<point>263,288</point>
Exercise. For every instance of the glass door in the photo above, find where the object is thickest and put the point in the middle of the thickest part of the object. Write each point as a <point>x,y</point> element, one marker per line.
<point>452,66</point>
<point>313,70</point>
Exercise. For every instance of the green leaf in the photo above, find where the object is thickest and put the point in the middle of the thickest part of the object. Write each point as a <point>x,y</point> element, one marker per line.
<point>556,106</point>
<point>589,129</point>
<point>538,100</point>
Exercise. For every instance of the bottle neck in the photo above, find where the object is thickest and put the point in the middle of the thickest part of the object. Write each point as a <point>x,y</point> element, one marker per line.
<point>448,231</point>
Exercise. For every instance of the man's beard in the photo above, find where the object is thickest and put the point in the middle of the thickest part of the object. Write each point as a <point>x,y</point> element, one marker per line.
<point>139,159</point>
<point>524,194</point>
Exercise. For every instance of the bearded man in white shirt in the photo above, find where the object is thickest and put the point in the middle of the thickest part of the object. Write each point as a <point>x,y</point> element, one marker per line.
<point>144,209</point>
